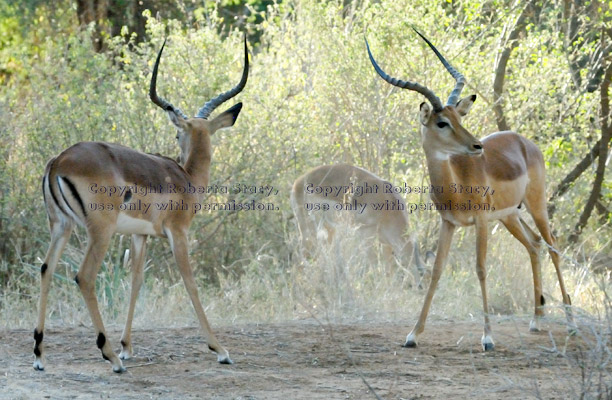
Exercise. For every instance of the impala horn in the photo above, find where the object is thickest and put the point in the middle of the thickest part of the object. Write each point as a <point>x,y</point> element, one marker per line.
<point>428,93</point>
<point>453,99</point>
<point>162,103</point>
<point>210,106</point>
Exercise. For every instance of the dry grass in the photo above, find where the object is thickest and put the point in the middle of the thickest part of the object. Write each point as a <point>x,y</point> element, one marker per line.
<point>343,279</point>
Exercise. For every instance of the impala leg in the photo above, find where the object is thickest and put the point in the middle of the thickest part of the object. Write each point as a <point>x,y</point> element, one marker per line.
<point>390,259</point>
<point>60,233</point>
<point>178,241</point>
<point>446,236</point>
<point>536,205</point>
<point>308,232</point>
<point>86,280</point>
<point>411,249</point>
<point>482,235</point>
<point>405,250</point>
<point>137,252</point>
<point>531,241</point>
<point>541,222</point>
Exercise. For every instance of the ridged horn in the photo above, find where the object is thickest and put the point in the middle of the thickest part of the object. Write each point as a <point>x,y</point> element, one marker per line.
<point>428,93</point>
<point>453,99</point>
<point>210,106</point>
<point>162,103</point>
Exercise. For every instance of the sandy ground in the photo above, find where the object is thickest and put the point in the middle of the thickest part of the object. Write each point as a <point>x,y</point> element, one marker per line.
<point>301,360</point>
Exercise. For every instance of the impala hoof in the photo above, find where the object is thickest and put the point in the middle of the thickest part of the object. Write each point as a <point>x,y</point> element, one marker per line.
<point>411,340</point>
<point>119,369</point>
<point>224,360</point>
<point>534,326</point>
<point>38,366</point>
<point>488,346</point>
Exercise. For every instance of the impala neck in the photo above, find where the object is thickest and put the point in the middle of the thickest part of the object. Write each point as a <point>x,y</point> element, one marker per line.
<point>197,164</point>
<point>439,167</point>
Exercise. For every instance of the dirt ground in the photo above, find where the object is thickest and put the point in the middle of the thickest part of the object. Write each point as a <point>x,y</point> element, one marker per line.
<point>300,360</point>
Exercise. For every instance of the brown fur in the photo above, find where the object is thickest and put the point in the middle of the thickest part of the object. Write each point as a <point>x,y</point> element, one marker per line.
<point>68,188</point>
<point>390,226</point>
<point>512,168</point>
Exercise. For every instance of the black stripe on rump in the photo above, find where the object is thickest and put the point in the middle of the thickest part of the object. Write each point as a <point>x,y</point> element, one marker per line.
<point>44,180</point>
<point>57,203</point>
<point>64,197</point>
<point>75,194</point>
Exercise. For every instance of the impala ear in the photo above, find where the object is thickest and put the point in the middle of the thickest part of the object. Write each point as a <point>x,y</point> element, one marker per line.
<point>464,105</point>
<point>176,119</point>
<point>226,119</point>
<point>425,112</point>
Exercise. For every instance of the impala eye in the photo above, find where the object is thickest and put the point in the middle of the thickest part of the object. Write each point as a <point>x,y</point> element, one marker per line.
<point>442,124</point>
<point>177,137</point>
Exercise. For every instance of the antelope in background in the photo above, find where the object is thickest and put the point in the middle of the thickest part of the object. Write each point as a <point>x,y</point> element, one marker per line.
<point>513,169</point>
<point>334,185</point>
<point>67,194</point>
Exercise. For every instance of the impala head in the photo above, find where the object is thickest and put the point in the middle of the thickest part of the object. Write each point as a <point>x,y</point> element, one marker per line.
<point>440,125</point>
<point>194,133</point>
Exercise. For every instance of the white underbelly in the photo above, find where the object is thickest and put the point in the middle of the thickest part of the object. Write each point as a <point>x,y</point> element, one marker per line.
<point>130,225</point>
<point>504,212</point>
<point>469,220</point>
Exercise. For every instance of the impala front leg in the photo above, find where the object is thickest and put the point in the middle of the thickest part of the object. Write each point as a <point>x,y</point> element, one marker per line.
<point>138,252</point>
<point>178,242</point>
<point>481,269</point>
<point>446,236</point>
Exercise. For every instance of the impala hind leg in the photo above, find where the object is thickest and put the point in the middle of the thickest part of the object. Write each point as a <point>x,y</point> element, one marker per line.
<point>537,208</point>
<point>138,252</point>
<point>86,280</point>
<point>178,241</point>
<point>60,233</point>
<point>446,235</point>
<point>541,222</point>
<point>521,231</point>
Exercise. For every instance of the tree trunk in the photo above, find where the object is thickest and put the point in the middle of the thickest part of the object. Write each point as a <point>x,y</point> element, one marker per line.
<point>574,174</point>
<point>96,11</point>
<point>110,16</point>
<point>606,137</point>
<point>500,70</point>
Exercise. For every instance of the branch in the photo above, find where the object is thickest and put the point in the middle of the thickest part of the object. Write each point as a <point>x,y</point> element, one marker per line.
<point>500,70</point>
<point>575,173</point>
<point>606,137</point>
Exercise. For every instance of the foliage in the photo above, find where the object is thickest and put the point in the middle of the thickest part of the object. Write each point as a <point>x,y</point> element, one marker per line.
<point>312,98</point>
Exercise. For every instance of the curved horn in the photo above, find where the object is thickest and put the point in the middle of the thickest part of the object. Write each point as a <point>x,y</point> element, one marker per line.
<point>210,106</point>
<point>153,89</point>
<point>453,99</point>
<point>428,93</point>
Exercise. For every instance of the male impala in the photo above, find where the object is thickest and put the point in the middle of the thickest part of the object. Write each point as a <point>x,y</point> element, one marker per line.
<point>511,168</point>
<point>83,175</point>
<point>360,194</point>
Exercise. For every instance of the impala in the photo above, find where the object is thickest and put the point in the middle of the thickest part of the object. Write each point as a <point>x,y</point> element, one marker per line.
<point>73,181</point>
<point>331,191</point>
<point>509,165</point>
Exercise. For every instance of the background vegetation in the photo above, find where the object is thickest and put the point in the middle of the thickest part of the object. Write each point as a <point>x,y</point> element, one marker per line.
<point>539,67</point>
